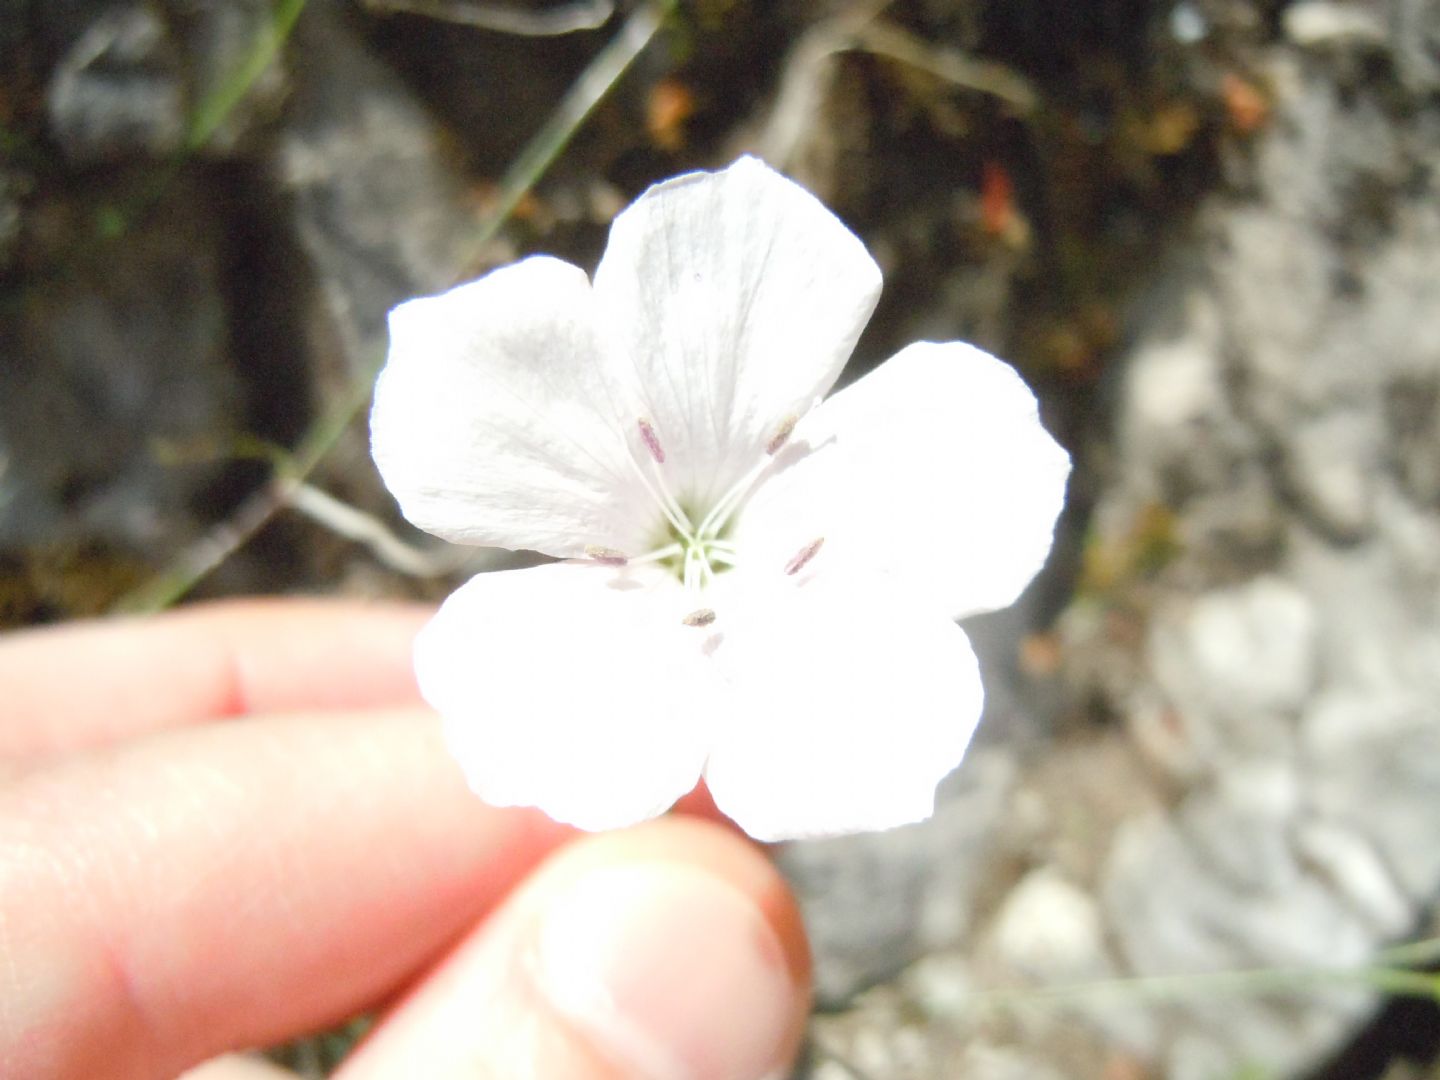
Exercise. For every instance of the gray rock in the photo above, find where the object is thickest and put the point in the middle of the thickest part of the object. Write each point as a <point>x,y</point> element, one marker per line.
<point>1415,31</point>
<point>1313,23</point>
<point>1304,696</point>
<point>1235,896</point>
<point>120,384</point>
<point>376,205</point>
<point>152,79</point>
<point>874,903</point>
<point>1050,927</point>
<point>1236,665</point>
<point>118,91</point>
<point>1279,675</point>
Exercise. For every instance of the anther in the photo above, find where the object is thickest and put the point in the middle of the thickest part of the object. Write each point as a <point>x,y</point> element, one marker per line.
<point>700,617</point>
<point>803,556</point>
<point>782,434</point>
<point>651,441</point>
<point>605,556</point>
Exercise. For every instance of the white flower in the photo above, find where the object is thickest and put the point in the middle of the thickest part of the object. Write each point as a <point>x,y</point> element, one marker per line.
<point>758,590</point>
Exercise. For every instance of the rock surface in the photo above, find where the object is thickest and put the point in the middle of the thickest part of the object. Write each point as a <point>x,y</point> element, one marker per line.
<point>1276,668</point>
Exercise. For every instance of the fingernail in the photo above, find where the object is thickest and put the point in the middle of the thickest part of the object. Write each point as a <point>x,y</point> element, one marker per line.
<point>671,972</point>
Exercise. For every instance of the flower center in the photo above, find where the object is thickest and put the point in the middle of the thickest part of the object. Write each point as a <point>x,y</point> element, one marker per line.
<point>694,546</point>
<point>694,554</point>
<point>697,546</point>
<point>698,553</point>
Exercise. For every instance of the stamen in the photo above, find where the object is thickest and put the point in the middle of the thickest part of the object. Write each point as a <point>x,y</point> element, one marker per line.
<point>700,617</point>
<point>673,508</point>
<point>605,556</point>
<point>715,520</point>
<point>663,499</point>
<point>782,434</point>
<point>651,441</point>
<point>658,555</point>
<point>803,556</point>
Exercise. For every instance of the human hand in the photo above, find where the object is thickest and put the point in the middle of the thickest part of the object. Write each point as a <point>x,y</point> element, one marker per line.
<point>231,825</point>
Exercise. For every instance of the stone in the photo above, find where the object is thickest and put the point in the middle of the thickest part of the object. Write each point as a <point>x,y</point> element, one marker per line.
<point>1207,918</point>
<point>118,91</point>
<point>1236,664</point>
<point>876,902</point>
<point>1286,692</point>
<point>377,207</point>
<point>1313,23</point>
<point>1351,865</point>
<point>122,389</point>
<point>1415,34</point>
<point>1049,927</point>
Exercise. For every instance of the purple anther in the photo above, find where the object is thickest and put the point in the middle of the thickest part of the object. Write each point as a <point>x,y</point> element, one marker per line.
<point>605,556</point>
<point>651,441</point>
<point>782,434</point>
<point>803,556</point>
<point>700,617</point>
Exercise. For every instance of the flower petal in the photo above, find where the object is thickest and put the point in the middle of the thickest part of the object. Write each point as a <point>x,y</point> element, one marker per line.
<point>846,709</point>
<point>738,297</point>
<point>570,687</point>
<point>493,421</point>
<point>933,470</point>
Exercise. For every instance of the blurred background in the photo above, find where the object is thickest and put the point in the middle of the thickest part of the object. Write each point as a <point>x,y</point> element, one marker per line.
<point>1206,231</point>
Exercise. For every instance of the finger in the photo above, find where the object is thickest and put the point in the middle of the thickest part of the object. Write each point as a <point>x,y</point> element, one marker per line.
<point>233,885</point>
<point>91,684</point>
<point>670,950</point>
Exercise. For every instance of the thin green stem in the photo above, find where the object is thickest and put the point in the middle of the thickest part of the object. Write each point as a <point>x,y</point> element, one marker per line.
<point>579,101</point>
<point>1255,981</point>
<point>219,104</point>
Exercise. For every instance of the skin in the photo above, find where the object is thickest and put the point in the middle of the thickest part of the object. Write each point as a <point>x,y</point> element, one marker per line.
<point>229,826</point>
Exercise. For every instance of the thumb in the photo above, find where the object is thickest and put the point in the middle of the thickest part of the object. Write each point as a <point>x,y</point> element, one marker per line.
<point>672,951</point>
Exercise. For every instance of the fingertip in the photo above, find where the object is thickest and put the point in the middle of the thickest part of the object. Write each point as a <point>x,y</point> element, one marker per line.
<point>674,953</point>
<point>672,950</point>
<point>718,847</point>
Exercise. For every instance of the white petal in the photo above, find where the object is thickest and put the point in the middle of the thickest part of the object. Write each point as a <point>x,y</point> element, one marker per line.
<point>847,709</point>
<point>570,687</point>
<point>493,421</point>
<point>738,297</point>
<point>933,470</point>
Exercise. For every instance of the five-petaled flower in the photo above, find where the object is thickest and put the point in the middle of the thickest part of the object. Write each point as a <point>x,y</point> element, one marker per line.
<point>755,589</point>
